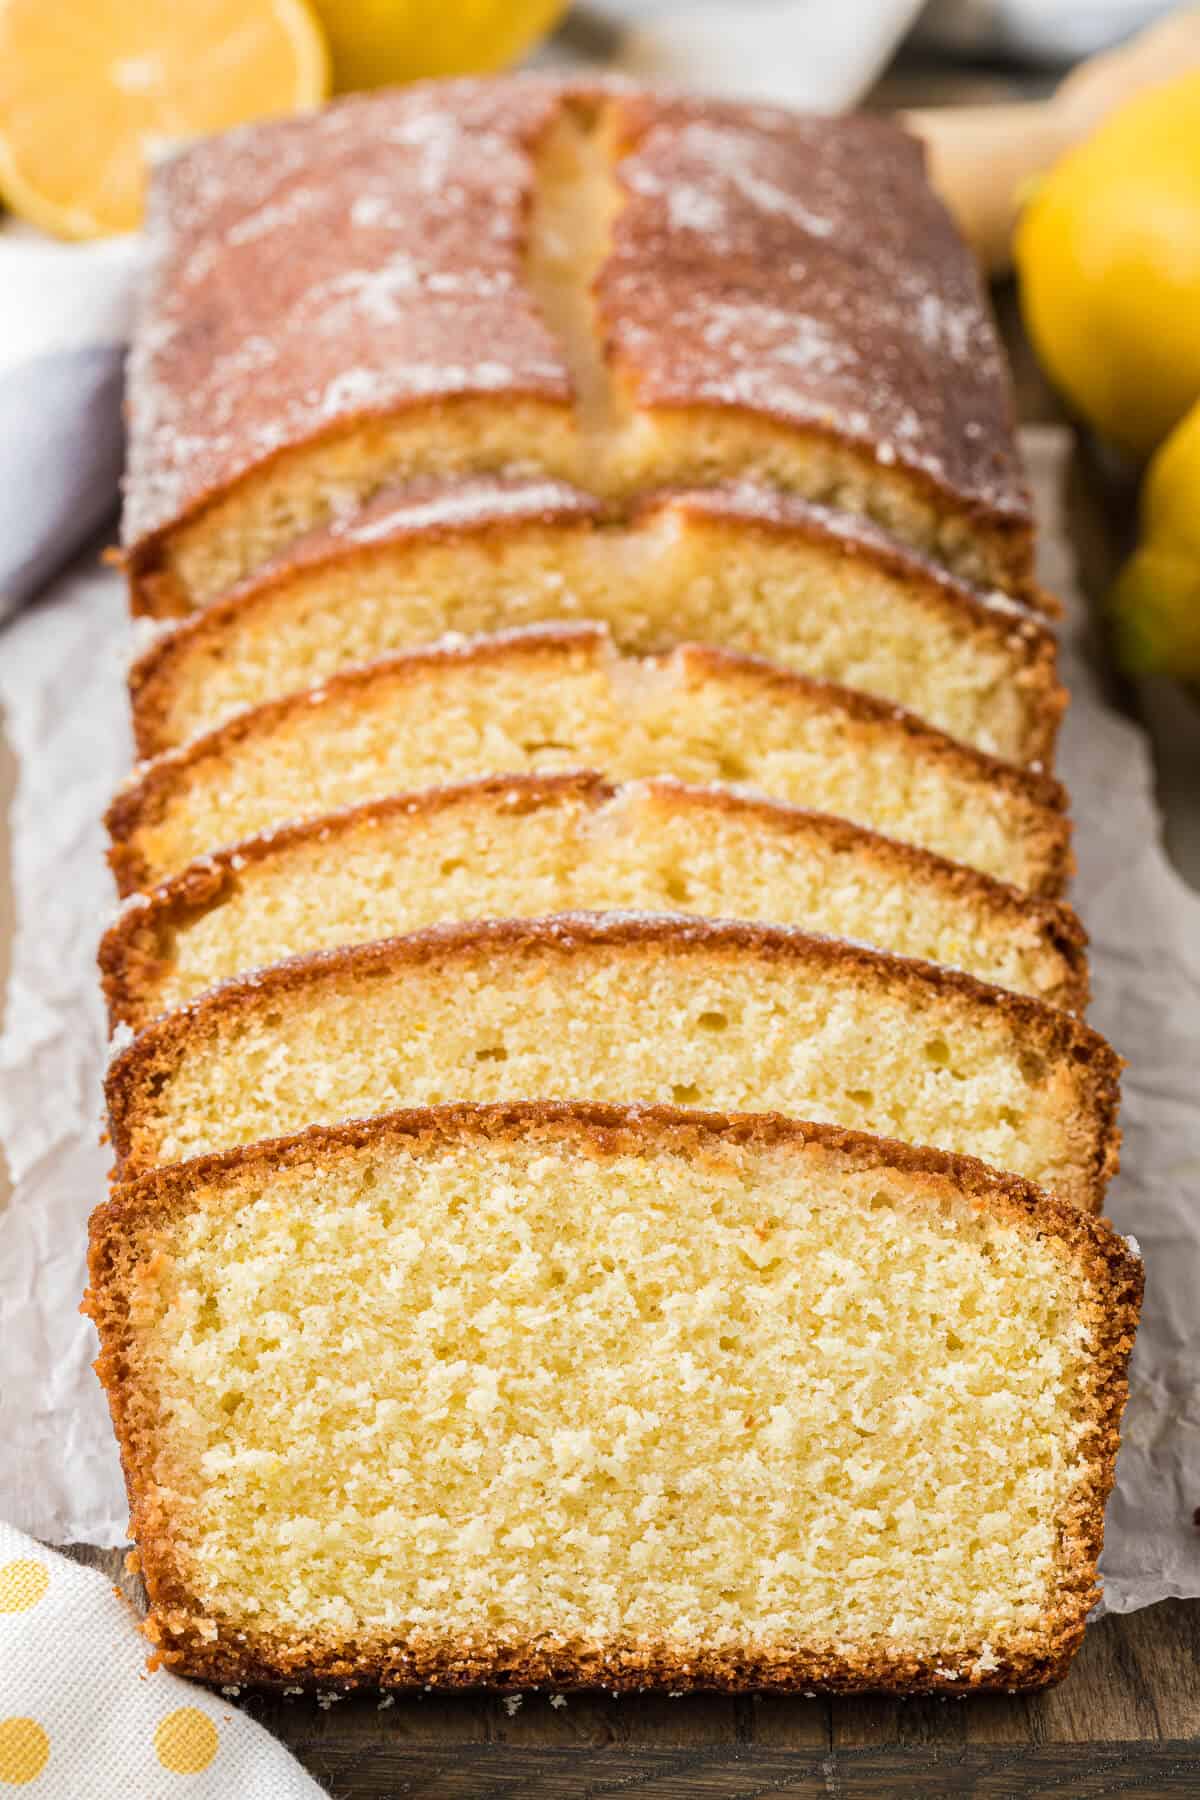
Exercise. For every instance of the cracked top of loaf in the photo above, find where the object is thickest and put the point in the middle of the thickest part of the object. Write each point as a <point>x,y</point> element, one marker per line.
<point>758,269</point>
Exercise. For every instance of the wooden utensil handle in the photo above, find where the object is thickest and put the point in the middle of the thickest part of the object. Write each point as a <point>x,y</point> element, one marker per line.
<point>982,158</point>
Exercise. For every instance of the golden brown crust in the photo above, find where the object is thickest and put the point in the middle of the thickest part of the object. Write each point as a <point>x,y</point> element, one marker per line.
<point>411,517</point>
<point>860,321</point>
<point>279,199</point>
<point>144,801</point>
<point>400,518</point>
<point>149,1062</point>
<point>135,952</point>
<point>349,1666</point>
<point>780,514</point>
<point>785,515</point>
<point>994,617</point>
<point>830,233</point>
<point>1112,1275</point>
<point>421,511</point>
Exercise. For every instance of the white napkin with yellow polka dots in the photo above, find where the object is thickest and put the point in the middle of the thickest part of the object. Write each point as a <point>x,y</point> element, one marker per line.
<point>81,1715</point>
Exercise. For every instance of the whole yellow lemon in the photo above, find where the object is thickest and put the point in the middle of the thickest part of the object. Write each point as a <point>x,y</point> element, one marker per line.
<point>374,42</point>
<point>1108,253</point>
<point>1155,604</point>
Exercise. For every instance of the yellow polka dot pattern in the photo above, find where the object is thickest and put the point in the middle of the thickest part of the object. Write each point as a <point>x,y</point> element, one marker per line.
<point>24,1750</point>
<point>186,1741</point>
<point>22,1584</point>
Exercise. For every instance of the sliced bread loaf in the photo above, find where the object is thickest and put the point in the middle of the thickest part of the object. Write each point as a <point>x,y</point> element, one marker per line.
<point>562,698</point>
<point>624,290</point>
<point>582,1396</point>
<point>519,846</point>
<point>813,590</point>
<point>624,1008</point>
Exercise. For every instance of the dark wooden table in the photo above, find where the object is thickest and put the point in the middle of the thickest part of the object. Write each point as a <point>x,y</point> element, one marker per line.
<point>1126,1721</point>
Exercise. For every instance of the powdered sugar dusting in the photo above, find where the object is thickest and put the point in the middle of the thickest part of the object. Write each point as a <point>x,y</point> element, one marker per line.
<point>692,208</point>
<point>311,269</point>
<point>145,633</point>
<point>723,151</point>
<point>466,504</point>
<point>947,329</point>
<point>269,219</point>
<point>825,289</point>
<point>400,509</point>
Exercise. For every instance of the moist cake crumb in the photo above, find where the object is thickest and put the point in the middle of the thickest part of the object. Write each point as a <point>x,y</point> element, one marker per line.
<point>651,1295</point>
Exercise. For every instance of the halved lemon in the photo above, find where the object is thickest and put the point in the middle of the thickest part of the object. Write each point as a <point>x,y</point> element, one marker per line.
<point>88,90</point>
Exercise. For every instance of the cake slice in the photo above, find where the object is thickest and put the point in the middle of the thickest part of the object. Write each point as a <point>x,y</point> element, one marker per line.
<point>573,280</point>
<point>624,1008</point>
<point>583,1396</point>
<point>810,589</point>
<point>562,698</point>
<point>519,846</point>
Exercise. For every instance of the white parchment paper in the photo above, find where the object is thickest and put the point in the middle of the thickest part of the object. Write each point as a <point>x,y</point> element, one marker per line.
<point>61,685</point>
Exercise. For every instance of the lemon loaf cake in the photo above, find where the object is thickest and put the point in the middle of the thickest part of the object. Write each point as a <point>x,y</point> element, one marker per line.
<point>808,588</point>
<point>590,1396</point>
<point>562,698</point>
<point>622,290</point>
<point>624,1008</point>
<point>519,846</point>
